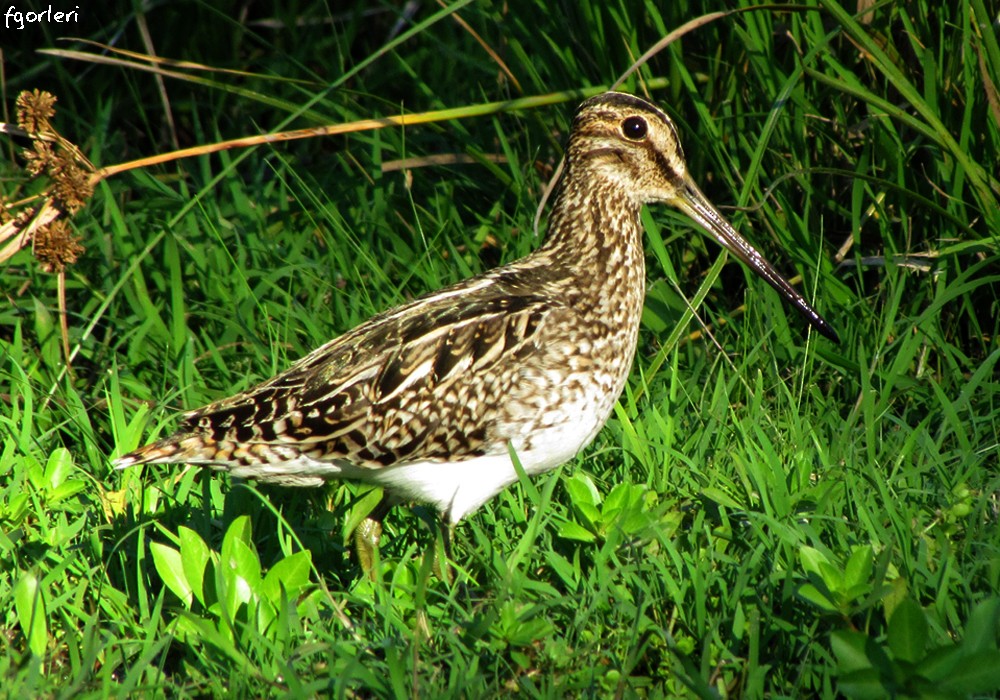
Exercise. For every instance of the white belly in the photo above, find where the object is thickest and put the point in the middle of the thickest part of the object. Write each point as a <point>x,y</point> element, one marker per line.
<point>454,488</point>
<point>459,488</point>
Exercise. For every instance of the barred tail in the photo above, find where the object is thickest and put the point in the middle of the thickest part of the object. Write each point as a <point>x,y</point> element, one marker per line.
<point>180,448</point>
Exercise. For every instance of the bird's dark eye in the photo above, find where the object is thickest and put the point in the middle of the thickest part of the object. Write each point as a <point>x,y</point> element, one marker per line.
<point>634,128</point>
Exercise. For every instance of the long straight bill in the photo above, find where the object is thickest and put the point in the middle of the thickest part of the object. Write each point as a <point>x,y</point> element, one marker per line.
<point>693,203</point>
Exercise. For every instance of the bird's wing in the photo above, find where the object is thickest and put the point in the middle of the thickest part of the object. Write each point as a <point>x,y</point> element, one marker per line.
<point>419,382</point>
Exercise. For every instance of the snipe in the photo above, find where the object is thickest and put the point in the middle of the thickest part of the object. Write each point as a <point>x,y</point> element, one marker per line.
<point>427,399</point>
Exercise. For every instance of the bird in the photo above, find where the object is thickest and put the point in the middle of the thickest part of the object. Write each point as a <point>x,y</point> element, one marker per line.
<point>435,399</point>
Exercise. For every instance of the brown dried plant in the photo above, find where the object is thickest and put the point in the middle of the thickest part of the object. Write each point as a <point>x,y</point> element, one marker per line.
<point>68,186</point>
<point>67,190</point>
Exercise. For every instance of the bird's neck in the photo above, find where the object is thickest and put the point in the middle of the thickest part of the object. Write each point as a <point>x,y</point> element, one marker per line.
<point>595,233</point>
<point>593,260</point>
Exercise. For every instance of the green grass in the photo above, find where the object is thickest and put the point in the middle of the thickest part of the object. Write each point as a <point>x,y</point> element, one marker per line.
<point>766,515</point>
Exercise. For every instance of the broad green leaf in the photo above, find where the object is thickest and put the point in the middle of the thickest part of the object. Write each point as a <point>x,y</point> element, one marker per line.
<point>194,559</point>
<point>239,531</point>
<point>939,663</point>
<point>169,566</point>
<point>292,573</point>
<point>242,561</point>
<point>582,490</point>
<point>864,684</point>
<point>880,659</point>
<point>66,489</point>
<point>29,604</point>
<point>899,591</point>
<point>855,593</point>
<point>817,563</point>
<point>908,631</point>
<point>617,500</point>
<point>58,468</point>
<point>975,674</point>
<point>815,596</point>
<point>572,531</point>
<point>239,568</point>
<point>635,521</point>
<point>590,516</point>
<point>851,650</point>
<point>858,571</point>
<point>981,629</point>
<point>812,560</point>
<point>14,510</point>
<point>266,614</point>
<point>35,471</point>
<point>833,578</point>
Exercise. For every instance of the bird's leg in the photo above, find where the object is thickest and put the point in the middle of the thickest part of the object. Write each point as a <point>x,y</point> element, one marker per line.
<point>442,553</point>
<point>368,534</point>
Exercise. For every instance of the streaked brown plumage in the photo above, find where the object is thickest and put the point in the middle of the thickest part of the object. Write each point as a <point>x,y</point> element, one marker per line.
<point>426,399</point>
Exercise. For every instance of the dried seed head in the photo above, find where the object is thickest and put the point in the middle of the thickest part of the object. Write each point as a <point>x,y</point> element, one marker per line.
<point>34,110</point>
<point>39,157</point>
<point>56,246</point>
<point>70,183</point>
